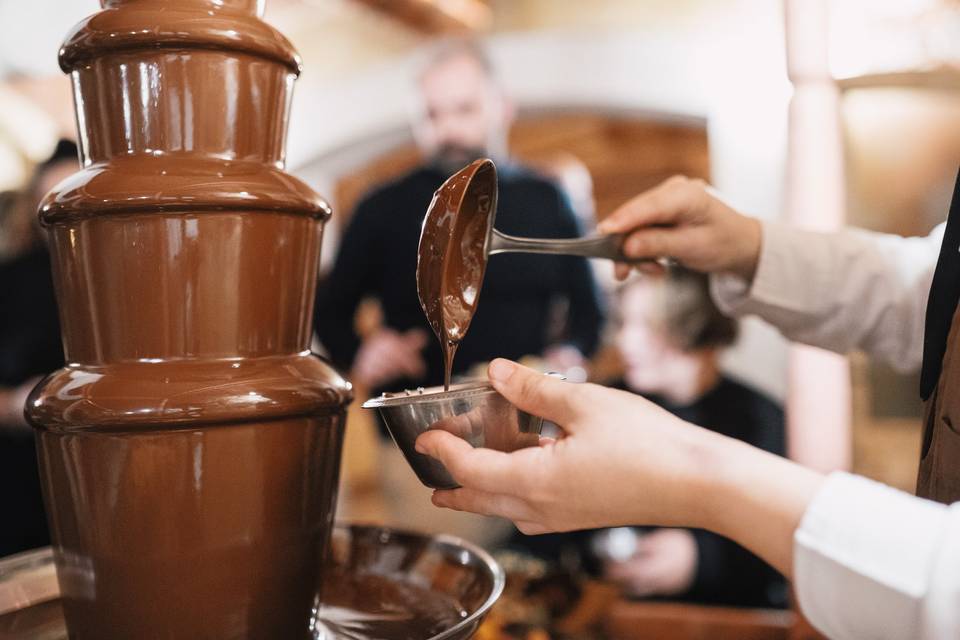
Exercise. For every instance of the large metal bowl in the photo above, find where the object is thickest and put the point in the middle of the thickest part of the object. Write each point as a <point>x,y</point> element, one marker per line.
<point>409,568</point>
<point>474,411</point>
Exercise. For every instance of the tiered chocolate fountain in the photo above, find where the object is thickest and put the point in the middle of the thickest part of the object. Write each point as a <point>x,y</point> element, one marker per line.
<point>189,450</point>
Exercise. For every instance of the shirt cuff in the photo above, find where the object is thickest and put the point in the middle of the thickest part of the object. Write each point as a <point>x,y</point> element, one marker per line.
<point>735,295</point>
<point>863,557</point>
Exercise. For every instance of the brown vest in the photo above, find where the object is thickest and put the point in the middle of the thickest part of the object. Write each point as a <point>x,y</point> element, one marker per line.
<point>939,477</point>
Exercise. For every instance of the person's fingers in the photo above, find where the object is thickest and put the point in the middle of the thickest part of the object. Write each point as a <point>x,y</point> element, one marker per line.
<point>458,425</point>
<point>656,540</point>
<point>643,579</point>
<point>649,208</point>
<point>639,577</point>
<point>664,204</point>
<point>480,469</point>
<point>388,355</point>
<point>530,528</point>
<point>412,344</point>
<point>387,347</point>
<point>392,359</point>
<point>369,368</point>
<point>535,393</point>
<point>416,339</point>
<point>655,242</point>
<point>395,354</point>
<point>620,571</point>
<point>622,270</point>
<point>414,366</point>
<point>483,502</point>
<point>384,334</point>
<point>651,268</point>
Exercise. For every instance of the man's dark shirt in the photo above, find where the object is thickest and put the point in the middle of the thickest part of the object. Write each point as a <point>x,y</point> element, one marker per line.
<point>378,258</point>
<point>29,327</point>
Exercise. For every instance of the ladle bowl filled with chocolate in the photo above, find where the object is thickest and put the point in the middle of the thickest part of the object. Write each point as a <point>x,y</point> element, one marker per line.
<point>474,411</point>
<point>456,241</point>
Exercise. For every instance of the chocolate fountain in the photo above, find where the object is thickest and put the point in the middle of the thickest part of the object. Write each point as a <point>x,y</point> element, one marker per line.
<point>189,451</point>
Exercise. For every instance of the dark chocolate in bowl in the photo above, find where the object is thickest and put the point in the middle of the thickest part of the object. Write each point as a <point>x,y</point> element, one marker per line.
<point>473,411</point>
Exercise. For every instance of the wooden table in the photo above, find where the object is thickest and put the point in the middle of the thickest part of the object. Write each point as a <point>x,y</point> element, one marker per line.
<point>680,621</point>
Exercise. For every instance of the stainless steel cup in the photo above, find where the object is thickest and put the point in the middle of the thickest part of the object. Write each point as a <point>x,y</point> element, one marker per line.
<point>473,411</point>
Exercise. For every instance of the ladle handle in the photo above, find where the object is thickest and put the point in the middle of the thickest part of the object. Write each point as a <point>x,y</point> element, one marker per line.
<point>598,246</point>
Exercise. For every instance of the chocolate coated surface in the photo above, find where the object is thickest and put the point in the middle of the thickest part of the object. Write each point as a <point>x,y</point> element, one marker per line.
<point>208,532</point>
<point>452,256</point>
<point>189,450</point>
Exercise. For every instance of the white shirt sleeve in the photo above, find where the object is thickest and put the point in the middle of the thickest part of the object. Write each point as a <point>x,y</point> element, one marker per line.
<point>852,289</point>
<point>874,562</point>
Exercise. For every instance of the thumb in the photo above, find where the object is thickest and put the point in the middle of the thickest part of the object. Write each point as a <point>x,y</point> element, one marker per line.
<point>664,204</point>
<point>655,242</point>
<point>534,392</point>
<point>480,469</point>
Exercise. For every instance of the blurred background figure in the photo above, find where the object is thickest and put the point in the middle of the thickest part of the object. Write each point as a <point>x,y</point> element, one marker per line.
<point>670,337</point>
<point>572,175</point>
<point>463,115</point>
<point>30,348</point>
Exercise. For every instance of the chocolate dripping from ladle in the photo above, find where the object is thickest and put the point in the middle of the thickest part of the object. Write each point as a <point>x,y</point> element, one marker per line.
<point>458,237</point>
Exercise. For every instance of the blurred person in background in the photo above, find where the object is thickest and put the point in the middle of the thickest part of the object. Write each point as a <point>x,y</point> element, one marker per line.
<point>572,175</point>
<point>670,336</point>
<point>463,115</point>
<point>30,348</point>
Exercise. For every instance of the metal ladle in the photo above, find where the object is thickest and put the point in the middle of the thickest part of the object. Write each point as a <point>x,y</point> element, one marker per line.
<point>483,180</point>
<point>477,182</point>
<point>458,237</point>
<point>456,241</point>
<point>597,246</point>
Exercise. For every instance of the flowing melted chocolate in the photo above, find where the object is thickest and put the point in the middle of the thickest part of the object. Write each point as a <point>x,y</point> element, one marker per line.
<point>452,255</point>
<point>189,452</point>
<point>206,532</point>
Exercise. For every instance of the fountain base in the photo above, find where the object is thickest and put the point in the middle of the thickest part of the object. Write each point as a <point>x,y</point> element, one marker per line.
<point>380,583</point>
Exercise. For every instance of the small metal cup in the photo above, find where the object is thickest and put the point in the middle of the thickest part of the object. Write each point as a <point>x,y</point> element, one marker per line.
<point>473,411</point>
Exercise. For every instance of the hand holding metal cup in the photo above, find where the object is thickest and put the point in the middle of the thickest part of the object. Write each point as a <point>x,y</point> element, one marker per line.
<point>473,411</point>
